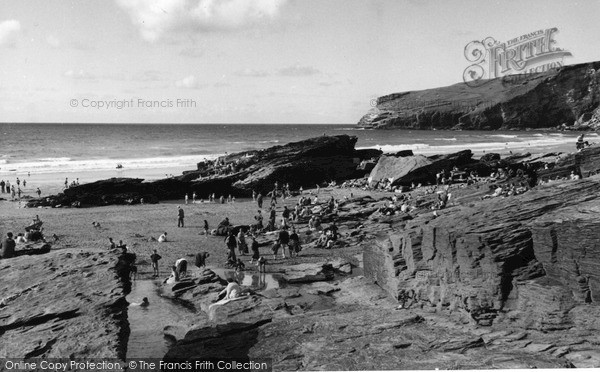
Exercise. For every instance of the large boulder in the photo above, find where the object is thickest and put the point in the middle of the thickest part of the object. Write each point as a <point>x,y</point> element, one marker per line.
<point>392,167</point>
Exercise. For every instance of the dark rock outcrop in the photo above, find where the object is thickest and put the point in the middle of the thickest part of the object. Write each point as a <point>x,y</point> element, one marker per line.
<point>568,97</point>
<point>305,163</point>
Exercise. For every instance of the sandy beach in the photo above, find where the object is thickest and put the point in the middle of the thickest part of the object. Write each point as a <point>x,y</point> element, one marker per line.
<point>135,225</point>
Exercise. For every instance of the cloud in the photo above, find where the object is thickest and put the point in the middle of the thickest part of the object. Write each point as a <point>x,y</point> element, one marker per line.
<point>53,41</point>
<point>249,72</point>
<point>191,52</point>
<point>189,82</point>
<point>155,18</point>
<point>78,75</point>
<point>9,32</point>
<point>298,71</point>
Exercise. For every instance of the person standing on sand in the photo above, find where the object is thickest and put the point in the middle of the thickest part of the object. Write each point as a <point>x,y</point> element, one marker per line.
<point>231,243</point>
<point>8,246</point>
<point>206,228</point>
<point>113,245</point>
<point>194,197</point>
<point>18,182</point>
<point>180,216</point>
<point>259,200</point>
<point>254,248</point>
<point>253,195</point>
<point>186,198</point>
<point>7,187</point>
<point>39,192</point>
<point>154,258</point>
<point>2,184</point>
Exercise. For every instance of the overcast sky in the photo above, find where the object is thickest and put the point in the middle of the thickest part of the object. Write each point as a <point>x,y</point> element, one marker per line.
<point>252,61</point>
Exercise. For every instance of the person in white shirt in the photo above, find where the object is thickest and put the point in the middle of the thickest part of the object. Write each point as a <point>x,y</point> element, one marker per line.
<point>162,238</point>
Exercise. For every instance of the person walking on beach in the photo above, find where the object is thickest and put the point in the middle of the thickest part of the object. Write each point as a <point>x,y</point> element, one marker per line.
<point>284,240</point>
<point>18,182</point>
<point>154,258</point>
<point>180,215</point>
<point>253,195</point>
<point>2,184</point>
<point>13,191</point>
<point>39,192</point>
<point>66,182</point>
<point>113,245</point>
<point>8,246</point>
<point>7,187</point>
<point>194,197</point>
<point>24,183</point>
<point>186,198</point>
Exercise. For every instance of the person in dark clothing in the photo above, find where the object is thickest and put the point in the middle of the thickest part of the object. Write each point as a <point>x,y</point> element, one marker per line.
<point>2,184</point>
<point>286,216</point>
<point>294,244</point>
<point>259,200</point>
<point>8,246</point>
<point>200,259</point>
<point>254,248</point>
<point>284,240</point>
<point>180,215</point>
<point>206,232</point>
<point>231,243</point>
<point>154,258</point>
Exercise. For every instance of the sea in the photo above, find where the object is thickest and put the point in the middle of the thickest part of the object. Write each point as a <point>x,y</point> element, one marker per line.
<point>87,152</point>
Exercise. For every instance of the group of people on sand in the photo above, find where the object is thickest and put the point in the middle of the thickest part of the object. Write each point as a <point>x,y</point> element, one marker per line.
<point>14,189</point>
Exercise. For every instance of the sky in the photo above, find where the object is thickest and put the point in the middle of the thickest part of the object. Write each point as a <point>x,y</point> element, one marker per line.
<point>252,61</point>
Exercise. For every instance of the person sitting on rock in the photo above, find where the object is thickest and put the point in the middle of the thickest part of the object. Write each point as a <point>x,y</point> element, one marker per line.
<point>21,238</point>
<point>581,144</point>
<point>233,290</point>
<point>162,238</point>
<point>181,267</point>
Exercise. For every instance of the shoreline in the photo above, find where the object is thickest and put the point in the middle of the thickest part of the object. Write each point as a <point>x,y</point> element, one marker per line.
<point>52,183</point>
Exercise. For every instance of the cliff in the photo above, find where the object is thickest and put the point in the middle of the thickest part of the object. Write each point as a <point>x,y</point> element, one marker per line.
<point>568,97</point>
<point>531,260</point>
